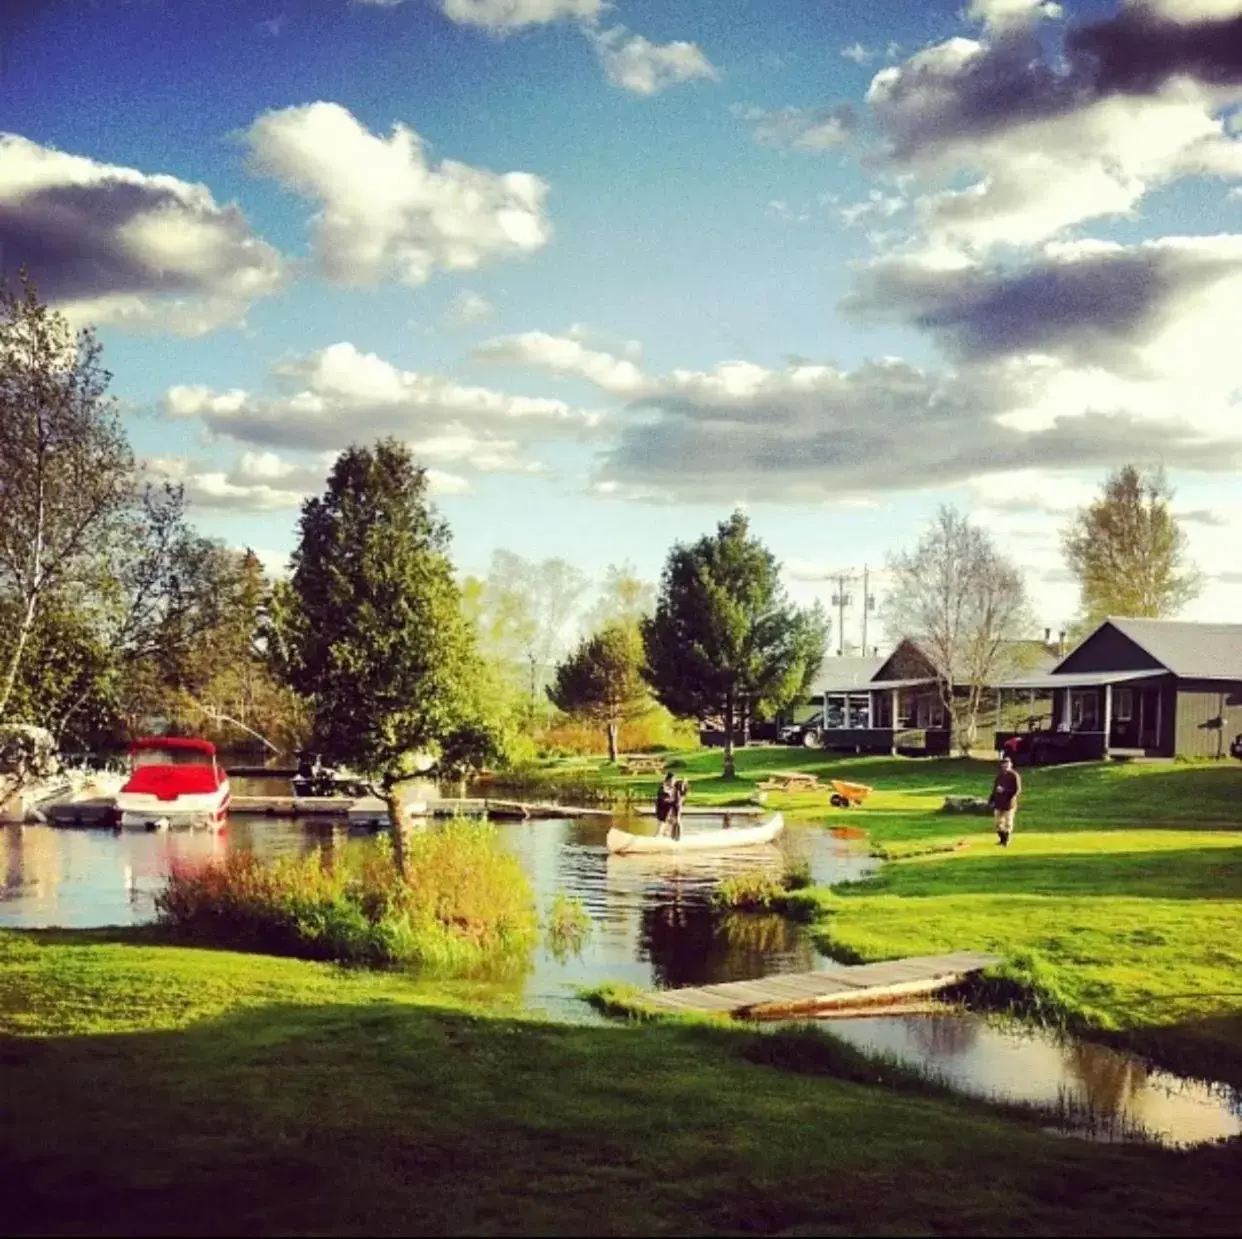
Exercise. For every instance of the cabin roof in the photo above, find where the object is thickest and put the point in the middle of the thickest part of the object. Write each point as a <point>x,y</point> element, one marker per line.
<point>1189,650</point>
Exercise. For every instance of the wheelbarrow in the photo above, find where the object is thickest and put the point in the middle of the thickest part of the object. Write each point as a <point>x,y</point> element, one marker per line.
<point>847,795</point>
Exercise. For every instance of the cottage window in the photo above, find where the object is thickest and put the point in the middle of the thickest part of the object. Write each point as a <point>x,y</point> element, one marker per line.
<point>1084,710</point>
<point>1123,704</point>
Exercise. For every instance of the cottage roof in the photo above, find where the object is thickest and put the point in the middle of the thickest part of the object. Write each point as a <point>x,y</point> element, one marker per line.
<point>1189,650</point>
<point>839,675</point>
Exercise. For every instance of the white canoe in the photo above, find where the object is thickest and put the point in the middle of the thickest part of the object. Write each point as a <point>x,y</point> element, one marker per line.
<point>623,843</point>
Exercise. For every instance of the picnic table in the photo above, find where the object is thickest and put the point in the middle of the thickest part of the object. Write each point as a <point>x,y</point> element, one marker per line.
<point>790,781</point>
<point>643,764</point>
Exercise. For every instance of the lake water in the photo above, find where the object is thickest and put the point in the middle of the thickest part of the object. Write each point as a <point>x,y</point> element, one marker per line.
<point>652,927</point>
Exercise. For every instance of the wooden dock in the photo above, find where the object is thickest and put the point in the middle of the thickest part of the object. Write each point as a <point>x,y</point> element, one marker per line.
<point>339,806</point>
<point>855,990</point>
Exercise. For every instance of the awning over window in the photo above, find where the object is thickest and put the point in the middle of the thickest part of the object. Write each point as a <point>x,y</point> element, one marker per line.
<point>1080,679</point>
<point>855,690</point>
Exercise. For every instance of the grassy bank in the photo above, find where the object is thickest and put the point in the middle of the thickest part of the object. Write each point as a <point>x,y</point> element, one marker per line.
<point>1135,933</point>
<point>221,1093</point>
<point>1118,906</point>
<point>909,792</point>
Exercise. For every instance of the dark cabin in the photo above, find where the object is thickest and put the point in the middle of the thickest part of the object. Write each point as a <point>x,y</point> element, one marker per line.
<point>897,708</point>
<point>1148,688</point>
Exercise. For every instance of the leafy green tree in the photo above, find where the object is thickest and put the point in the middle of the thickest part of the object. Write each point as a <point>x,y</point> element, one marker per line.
<point>67,475</point>
<point>1128,551</point>
<point>724,641</point>
<point>623,598</point>
<point>522,611</point>
<point>371,627</point>
<point>602,680</point>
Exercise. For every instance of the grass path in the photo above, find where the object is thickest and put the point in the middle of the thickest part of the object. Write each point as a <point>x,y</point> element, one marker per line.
<point>224,1094</point>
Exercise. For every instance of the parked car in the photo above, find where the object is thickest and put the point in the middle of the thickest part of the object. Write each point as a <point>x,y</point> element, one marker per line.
<point>805,734</point>
<point>1235,748</point>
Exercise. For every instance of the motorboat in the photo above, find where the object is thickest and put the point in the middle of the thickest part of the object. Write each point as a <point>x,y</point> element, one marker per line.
<point>174,781</point>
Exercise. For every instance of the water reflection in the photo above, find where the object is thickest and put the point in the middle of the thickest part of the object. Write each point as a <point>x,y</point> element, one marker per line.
<point>1097,1088</point>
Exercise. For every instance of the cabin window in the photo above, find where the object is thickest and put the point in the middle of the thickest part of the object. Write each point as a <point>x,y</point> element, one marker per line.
<point>1123,704</point>
<point>1084,708</point>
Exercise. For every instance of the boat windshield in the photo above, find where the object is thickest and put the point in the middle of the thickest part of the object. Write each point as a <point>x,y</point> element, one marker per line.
<point>169,757</point>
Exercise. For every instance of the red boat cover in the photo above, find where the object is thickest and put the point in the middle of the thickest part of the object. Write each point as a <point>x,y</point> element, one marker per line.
<point>169,782</point>
<point>174,742</point>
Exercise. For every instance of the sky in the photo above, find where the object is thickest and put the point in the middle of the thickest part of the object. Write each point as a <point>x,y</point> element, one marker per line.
<point>614,270</point>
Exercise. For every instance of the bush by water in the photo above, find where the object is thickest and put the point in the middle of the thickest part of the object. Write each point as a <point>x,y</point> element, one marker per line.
<point>465,903</point>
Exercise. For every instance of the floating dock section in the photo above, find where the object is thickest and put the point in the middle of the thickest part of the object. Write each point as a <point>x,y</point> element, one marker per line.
<point>842,991</point>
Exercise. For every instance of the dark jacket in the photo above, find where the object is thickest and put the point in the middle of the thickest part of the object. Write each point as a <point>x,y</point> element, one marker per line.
<point>1005,790</point>
<point>664,803</point>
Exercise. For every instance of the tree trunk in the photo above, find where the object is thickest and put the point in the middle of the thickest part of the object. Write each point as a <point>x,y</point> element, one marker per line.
<point>401,825</point>
<point>613,729</point>
<point>728,730</point>
<point>23,635</point>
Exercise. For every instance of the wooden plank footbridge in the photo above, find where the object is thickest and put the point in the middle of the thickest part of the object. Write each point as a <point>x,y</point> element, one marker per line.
<point>841,991</point>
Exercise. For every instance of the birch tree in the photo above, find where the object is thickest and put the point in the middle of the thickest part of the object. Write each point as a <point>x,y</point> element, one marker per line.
<point>962,603</point>
<point>67,474</point>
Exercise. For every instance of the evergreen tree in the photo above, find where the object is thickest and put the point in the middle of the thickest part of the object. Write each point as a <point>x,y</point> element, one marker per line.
<point>724,641</point>
<point>602,681</point>
<point>370,625</point>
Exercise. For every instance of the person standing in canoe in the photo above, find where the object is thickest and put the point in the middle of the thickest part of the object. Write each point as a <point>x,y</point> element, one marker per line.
<point>1004,799</point>
<point>664,805</point>
<point>681,789</point>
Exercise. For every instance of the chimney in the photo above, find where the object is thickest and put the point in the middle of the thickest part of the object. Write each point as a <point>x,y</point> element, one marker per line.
<point>1061,641</point>
<point>1047,636</point>
<point>875,651</point>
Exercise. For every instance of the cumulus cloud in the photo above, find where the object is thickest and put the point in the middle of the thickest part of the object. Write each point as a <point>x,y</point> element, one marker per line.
<point>341,395</point>
<point>819,434</point>
<point>1057,135</point>
<point>857,53</point>
<point>1012,14</point>
<point>504,15</point>
<point>110,244</point>
<point>469,308</point>
<point>260,482</point>
<point>1127,309</point>
<point>566,357</point>
<point>645,68</point>
<point>816,433</point>
<point>386,210</point>
<point>811,130</point>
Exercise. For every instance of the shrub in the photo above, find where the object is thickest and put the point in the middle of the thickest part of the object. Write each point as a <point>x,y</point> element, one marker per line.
<point>465,903</point>
<point>761,890</point>
<point>567,928</point>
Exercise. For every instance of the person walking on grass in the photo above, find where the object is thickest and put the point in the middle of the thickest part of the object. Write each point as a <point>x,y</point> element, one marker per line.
<point>1004,799</point>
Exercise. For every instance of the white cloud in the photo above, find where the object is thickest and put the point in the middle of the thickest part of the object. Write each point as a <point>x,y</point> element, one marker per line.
<point>778,208</point>
<point>262,482</point>
<point>340,395</point>
<point>566,356</point>
<point>469,308</point>
<point>645,68</point>
<point>386,211</point>
<point>1190,10</point>
<point>816,433</point>
<point>1051,139</point>
<point>504,15</point>
<point>810,130</point>
<point>110,244</point>
<point>857,53</point>
<point>1012,14</point>
<point>877,205</point>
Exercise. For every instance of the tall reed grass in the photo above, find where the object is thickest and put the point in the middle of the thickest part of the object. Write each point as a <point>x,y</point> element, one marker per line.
<point>466,903</point>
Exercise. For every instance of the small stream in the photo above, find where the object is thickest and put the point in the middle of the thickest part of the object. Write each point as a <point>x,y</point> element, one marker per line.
<point>652,927</point>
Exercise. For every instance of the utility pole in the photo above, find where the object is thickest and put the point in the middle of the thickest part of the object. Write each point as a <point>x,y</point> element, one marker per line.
<point>841,600</point>
<point>866,606</point>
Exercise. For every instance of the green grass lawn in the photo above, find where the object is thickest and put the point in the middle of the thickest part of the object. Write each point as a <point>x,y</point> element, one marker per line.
<point>156,1090</point>
<point>1119,902</point>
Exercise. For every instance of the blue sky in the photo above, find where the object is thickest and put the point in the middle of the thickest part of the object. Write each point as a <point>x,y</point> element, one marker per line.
<point>614,269</point>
